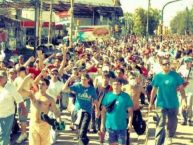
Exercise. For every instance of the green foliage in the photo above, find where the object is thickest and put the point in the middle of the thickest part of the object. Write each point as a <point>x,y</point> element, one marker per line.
<point>182,23</point>
<point>138,21</point>
<point>154,18</point>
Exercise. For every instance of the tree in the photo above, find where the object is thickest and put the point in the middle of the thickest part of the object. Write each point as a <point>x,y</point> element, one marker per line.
<point>140,21</point>
<point>127,23</point>
<point>154,18</point>
<point>182,23</point>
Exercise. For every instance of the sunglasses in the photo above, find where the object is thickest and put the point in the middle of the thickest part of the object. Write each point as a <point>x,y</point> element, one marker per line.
<point>166,64</point>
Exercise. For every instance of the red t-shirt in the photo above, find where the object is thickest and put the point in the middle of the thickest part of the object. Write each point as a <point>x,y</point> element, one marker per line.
<point>34,71</point>
<point>144,71</point>
<point>92,69</point>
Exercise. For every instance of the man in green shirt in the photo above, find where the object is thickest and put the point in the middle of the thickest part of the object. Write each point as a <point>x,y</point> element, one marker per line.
<point>115,119</point>
<point>165,85</point>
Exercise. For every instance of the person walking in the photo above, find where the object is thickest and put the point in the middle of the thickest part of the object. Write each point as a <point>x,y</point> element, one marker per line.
<point>165,85</point>
<point>8,95</point>
<point>115,106</point>
<point>85,97</point>
<point>187,73</point>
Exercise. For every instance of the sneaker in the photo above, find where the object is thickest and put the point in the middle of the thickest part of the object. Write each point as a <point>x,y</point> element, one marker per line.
<point>72,127</point>
<point>76,138</point>
<point>93,131</point>
<point>155,118</point>
<point>21,138</point>
<point>184,123</point>
<point>189,122</point>
<point>168,141</point>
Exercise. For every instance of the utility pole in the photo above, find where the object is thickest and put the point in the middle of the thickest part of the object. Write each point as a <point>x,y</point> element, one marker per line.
<point>50,24</point>
<point>71,21</point>
<point>162,16</point>
<point>147,25</point>
<point>40,22</point>
<point>36,7</point>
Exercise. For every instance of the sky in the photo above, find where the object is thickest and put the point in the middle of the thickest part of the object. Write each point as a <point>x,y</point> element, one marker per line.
<point>169,12</point>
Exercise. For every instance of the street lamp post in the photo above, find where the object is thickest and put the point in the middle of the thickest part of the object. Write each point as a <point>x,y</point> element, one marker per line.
<point>162,16</point>
<point>36,28</point>
<point>147,25</point>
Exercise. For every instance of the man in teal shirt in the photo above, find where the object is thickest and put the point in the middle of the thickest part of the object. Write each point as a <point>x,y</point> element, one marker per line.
<point>115,119</point>
<point>166,84</point>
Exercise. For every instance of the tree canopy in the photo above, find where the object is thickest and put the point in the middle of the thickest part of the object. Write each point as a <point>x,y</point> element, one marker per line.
<point>138,21</point>
<point>182,23</point>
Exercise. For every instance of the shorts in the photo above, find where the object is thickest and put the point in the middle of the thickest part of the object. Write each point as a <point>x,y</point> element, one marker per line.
<point>117,136</point>
<point>23,118</point>
<point>39,134</point>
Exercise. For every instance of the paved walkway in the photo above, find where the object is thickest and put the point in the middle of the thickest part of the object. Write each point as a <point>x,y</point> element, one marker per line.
<point>184,135</point>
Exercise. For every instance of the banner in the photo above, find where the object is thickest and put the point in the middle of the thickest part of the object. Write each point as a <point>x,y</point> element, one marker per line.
<point>91,33</point>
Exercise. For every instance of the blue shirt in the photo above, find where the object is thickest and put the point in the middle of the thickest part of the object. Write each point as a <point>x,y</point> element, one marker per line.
<point>167,85</point>
<point>84,97</point>
<point>117,119</point>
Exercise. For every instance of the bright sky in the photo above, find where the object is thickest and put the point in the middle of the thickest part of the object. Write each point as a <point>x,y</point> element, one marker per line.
<point>169,12</point>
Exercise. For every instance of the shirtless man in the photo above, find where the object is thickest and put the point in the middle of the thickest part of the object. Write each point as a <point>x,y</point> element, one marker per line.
<point>134,89</point>
<point>39,131</point>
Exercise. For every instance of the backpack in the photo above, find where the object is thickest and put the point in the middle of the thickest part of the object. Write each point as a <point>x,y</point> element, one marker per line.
<point>138,123</point>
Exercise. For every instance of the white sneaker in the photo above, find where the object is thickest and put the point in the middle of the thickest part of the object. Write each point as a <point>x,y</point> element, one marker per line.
<point>168,141</point>
<point>21,138</point>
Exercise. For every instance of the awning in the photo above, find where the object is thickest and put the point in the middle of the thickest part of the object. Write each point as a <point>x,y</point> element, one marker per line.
<point>29,24</point>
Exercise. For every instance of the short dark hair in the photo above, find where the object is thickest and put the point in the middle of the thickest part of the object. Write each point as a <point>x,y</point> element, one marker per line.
<point>118,80</point>
<point>106,74</point>
<point>86,76</point>
<point>22,68</point>
<point>46,81</point>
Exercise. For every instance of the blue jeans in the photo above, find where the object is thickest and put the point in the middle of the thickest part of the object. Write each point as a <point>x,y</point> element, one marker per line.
<point>117,136</point>
<point>5,129</point>
<point>162,114</point>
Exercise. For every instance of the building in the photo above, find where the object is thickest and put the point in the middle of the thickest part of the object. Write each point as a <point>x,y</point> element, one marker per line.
<point>86,13</point>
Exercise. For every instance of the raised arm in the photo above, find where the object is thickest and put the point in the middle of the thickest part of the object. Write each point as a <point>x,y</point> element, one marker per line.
<point>31,59</point>
<point>60,70</point>
<point>66,85</point>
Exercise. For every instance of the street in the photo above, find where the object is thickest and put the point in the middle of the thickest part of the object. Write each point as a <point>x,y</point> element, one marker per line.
<point>184,135</point>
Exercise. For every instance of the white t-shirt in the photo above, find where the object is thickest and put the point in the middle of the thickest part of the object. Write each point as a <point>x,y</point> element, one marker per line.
<point>55,88</point>
<point>8,95</point>
<point>187,73</point>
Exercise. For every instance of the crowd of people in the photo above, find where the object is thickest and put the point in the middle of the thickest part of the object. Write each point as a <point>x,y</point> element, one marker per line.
<point>105,85</point>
